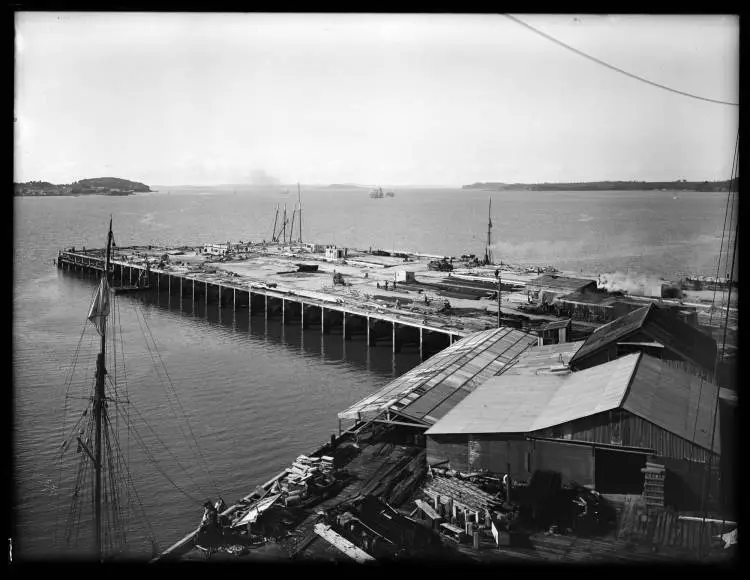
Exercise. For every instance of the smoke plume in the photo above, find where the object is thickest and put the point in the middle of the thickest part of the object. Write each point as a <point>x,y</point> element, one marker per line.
<point>260,177</point>
<point>628,282</point>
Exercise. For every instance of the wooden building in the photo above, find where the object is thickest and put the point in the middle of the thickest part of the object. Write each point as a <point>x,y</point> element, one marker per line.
<point>421,396</point>
<point>547,287</point>
<point>653,330</point>
<point>595,426</point>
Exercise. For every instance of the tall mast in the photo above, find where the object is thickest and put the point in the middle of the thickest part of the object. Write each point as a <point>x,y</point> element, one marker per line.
<point>275,219</point>
<point>487,250</point>
<point>283,222</point>
<point>99,398</point>
<point>291,227</point>
<point>299,202</point>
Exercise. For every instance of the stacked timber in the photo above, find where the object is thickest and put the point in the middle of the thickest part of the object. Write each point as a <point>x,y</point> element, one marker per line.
<point>653,487</point>
<point>461,494</point>
<point>294,486</point>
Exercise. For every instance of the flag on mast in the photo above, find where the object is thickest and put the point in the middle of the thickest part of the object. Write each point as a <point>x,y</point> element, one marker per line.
<point>100,307</point>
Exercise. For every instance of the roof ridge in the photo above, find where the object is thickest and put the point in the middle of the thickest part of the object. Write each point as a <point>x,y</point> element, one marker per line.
<point>630,380</point>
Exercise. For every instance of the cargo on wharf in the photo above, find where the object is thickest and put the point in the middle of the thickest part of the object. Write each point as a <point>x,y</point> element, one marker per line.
<point>424,473</point>
<point>362,294</point>
<point>393,299</point>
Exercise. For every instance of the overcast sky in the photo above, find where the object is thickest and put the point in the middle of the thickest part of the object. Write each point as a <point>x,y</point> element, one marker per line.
<point>384,99</point>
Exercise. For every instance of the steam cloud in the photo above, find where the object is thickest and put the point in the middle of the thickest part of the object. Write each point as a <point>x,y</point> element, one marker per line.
<point>260,177</point>
<point>631,283</point>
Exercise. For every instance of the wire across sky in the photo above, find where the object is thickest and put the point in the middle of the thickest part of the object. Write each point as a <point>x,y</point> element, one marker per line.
<point>614,68</point>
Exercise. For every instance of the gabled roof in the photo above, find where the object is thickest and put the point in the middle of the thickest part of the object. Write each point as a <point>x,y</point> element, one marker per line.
<point>658,391</point>
<point>545,358</point>
<point>670,397</point>
<point>526,402</point>
<point>663,327</point>
<point>555,324</point>
<point>612,332</point>
<point>562,282</point>
<point>430,389</point>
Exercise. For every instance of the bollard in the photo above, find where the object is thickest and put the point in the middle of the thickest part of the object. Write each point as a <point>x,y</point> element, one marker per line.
<point>476,540</point>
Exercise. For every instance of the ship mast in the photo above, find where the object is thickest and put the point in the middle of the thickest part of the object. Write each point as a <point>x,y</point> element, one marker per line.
<point>275,220</point>
<point>299,202</point>
<point>283,223</point>
<point>291,227</point>
<point>487,250</point>
<point>99,402</point>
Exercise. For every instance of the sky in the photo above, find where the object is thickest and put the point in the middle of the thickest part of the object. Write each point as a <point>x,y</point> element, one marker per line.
<point>203,99</point>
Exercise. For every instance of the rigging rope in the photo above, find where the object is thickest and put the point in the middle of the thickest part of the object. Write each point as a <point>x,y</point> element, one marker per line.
<point>616,69</point>
<point>129,479</point>
<point>707,475</point>
<point>735,160</point>
<point>150,428</point>
<point>153,460</point>
<point>182,409</point>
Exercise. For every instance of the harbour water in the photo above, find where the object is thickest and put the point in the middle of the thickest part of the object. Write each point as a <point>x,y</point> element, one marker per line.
<point>256,394</point>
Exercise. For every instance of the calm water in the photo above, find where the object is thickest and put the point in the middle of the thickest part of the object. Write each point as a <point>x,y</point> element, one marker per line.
<point>257,395</point>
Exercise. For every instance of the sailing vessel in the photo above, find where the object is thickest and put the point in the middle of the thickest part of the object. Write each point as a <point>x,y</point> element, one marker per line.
<point>105,507</point>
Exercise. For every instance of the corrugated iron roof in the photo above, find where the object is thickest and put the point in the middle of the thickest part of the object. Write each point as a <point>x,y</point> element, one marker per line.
<point>522,402</point>
<point>663,327</point>
<point>588,392</point>
<point>446,377</point>
<point>441,396</point>
<point>654,389</point>
<point>563,282</point>
<point>671,398</point>
<point>543,358</point>
<point>612,331</point>
<point>505,404</point>
<point>555,324</point>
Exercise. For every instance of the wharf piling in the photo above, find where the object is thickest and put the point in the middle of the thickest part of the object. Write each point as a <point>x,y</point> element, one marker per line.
<point>377,327</point>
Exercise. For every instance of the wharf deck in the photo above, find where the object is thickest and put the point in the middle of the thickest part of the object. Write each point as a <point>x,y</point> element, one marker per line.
<point>266,280</point>
<point>381,459</point>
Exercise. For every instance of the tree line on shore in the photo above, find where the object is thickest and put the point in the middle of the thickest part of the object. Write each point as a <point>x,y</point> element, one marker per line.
<point>97,185</point>
<point>677,185</point>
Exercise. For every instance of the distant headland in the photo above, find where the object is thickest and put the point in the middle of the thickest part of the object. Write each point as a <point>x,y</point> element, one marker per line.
<point>94,186</point>
<point>678,185</point>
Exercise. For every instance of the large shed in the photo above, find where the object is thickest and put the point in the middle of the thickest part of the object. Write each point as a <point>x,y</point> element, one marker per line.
<point>654,330</point>
<point>424,394</point>
<point>596,426</point>
<point>548,286</point>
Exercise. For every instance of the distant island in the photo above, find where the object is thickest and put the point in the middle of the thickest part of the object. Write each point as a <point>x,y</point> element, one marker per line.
<point>678,185</point>
<point>344,186</point>
<point>94,186</point>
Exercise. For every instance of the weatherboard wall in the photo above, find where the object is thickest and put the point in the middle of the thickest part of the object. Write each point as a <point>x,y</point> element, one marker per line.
<point>626,429</point>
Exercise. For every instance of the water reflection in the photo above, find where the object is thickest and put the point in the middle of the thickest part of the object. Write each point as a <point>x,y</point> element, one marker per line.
<point>309,342</point>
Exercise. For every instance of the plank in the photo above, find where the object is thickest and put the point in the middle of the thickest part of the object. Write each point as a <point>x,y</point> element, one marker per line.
<point>343,544</point>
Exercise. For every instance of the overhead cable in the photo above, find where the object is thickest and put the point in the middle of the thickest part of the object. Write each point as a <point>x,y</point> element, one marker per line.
<point>614,68</point>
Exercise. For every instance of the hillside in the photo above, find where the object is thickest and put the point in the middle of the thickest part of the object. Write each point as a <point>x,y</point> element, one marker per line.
<point>109,183</point>
<point>94,186</point>
<point>679,185</point>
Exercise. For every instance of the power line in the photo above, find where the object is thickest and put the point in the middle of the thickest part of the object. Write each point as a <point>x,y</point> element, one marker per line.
<point>614,68</point>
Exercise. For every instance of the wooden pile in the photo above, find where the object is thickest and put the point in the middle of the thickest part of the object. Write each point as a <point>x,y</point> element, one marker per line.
<point>463,495</point>
<point>397,477</point>
<point>665,529</point>
<point>294,485</point>
<point>653,487</point>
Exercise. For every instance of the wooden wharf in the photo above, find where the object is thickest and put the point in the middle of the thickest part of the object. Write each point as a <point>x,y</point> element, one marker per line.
<point>349,316</point>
